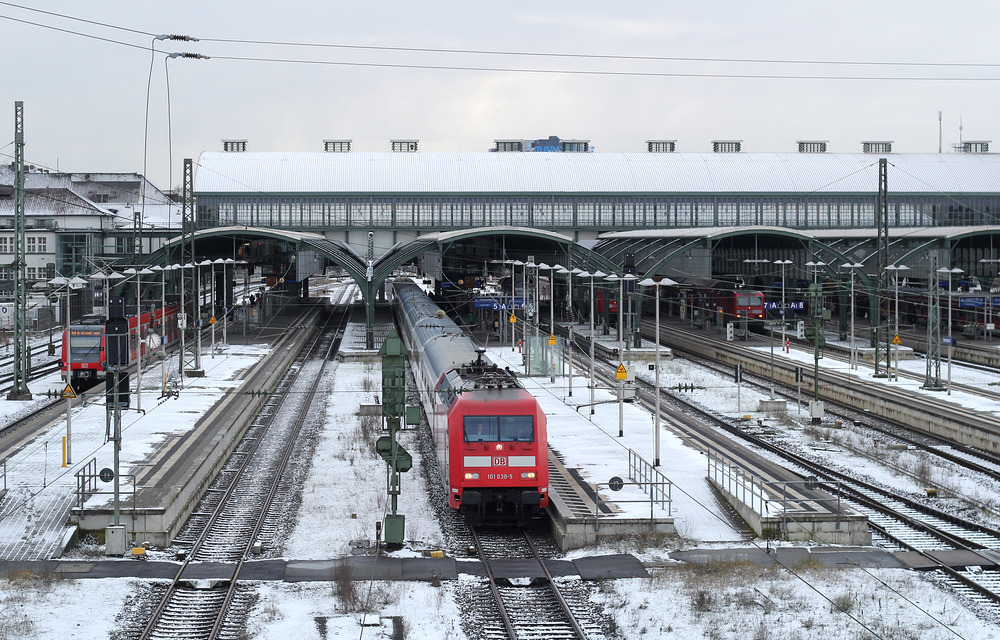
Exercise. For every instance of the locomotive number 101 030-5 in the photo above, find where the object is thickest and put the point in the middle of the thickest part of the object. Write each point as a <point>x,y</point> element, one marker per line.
<point>500,476</point>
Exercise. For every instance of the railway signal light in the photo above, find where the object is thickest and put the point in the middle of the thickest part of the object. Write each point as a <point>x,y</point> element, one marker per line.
<point>729,332</point>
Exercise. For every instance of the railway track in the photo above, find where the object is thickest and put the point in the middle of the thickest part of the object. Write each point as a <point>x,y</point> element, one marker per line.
<point>969,458</point>
<point>898,521</point>
<point>524,607</point>
<point>231,518</point>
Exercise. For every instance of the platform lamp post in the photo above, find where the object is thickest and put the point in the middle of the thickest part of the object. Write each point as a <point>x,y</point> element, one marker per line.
<point>569,341</point>
<point>895,332</point>
<point>783,312</point>
<point>815,407</point>
<point>68,284</point>
<point>657,283</point>
<point>530,264</point>
<point>199,301</point>
<point>551,361</point>
<point>163,324</point>
<point>853,364</point>
<point>230,263</point>
<point>212,321</point>
<point>951,342</point>
<point>513,300</point>
<point>593,380</point>
<point>138,273</point>
<point>531,310</point>
<point>621,386</point>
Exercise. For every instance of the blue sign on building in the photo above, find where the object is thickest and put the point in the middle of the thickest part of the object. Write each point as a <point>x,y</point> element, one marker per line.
<point>497,304</point>
<point>972,302</point>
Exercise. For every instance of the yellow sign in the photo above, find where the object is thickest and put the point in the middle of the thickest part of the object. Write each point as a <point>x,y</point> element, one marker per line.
<point>622,373</point>
<point>68,393</point>
<point>896,340</point>
<point>552,340</point>
<point>513,318</point>
<point>212,321</point>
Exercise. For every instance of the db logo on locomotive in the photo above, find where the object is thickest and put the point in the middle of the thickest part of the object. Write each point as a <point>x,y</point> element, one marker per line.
<point>499,462</point>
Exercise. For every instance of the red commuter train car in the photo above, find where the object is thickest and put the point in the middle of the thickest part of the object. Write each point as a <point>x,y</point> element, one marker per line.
<point>87,342</point>
<point>737,304</point>
<point>490,434</point>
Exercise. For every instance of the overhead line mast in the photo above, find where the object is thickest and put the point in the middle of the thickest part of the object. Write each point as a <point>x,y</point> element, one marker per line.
<point>22,354</point>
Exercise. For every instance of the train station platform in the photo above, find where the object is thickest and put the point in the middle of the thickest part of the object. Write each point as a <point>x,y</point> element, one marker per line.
<point>704,479</point>
<point>163,486</point>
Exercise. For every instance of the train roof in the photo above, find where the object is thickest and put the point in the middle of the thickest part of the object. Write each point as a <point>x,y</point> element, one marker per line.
<point>444,346</point>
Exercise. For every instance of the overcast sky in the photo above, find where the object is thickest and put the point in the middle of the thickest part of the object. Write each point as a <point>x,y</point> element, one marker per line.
<point>85,98</point>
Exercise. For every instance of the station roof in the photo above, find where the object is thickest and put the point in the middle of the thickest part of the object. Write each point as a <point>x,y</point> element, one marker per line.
<point>266,173</point>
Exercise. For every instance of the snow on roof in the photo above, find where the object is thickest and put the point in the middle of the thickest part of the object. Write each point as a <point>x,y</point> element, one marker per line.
<point>262,173</point>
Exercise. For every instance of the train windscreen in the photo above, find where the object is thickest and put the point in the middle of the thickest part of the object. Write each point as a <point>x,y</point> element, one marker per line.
<point>499,428</point>
<point>85,346</point>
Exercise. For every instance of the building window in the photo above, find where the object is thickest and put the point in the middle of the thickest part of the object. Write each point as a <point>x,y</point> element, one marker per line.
<point>123,245</point>
<point>337,146</point>
<point>508,145</point>
<point>661,146</point>
<point>727,146</point>
<point>876,147</point>
<point>101,198</point>
<point>979,146</point>
<point>812,146</point>
<point>6,244</point>
<point>234,145</point>
<point>575,146</point>
<point>36,245</point>
<point>407,146</point>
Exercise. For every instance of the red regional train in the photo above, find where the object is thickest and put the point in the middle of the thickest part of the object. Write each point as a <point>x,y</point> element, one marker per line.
<point>87,342</point>
<point>714,297</point>
<point>489,432</point>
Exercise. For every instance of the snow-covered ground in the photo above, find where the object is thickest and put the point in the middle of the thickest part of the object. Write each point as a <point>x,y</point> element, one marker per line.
<point>344,496</point>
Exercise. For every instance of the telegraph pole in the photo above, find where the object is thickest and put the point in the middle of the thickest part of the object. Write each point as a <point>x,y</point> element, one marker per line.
<point>22,353</point>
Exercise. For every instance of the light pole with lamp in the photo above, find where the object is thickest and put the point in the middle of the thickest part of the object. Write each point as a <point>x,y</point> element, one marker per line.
<point>69,284</point>
<point>950,341</point>
<point>227,300</point>
<point>657,283</point>
<point>161,341</point>
<point>816,311</point>
<point>552,329</point>
<point>212,320</point>
<point>199,301</point>
<point>513,300</point>
<point>621,386</point>
<point>532,310</point>
<point>593,338</point>
<point>853,363</point>
<point>534,299</point>
<point>569,341</point>
<point>895,340</point>
<point>138,331</point>
<point>783,312</point>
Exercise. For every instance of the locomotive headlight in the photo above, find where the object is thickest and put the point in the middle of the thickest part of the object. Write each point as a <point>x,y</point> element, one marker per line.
<point>472,476</point>
<point>499,447</point>
<point>527,475</point>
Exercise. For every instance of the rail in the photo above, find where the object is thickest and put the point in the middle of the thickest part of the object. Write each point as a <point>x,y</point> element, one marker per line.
<point>648,478</point>
<point>86,482</point>
<point>769,498</point>
<point>660,487</point>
